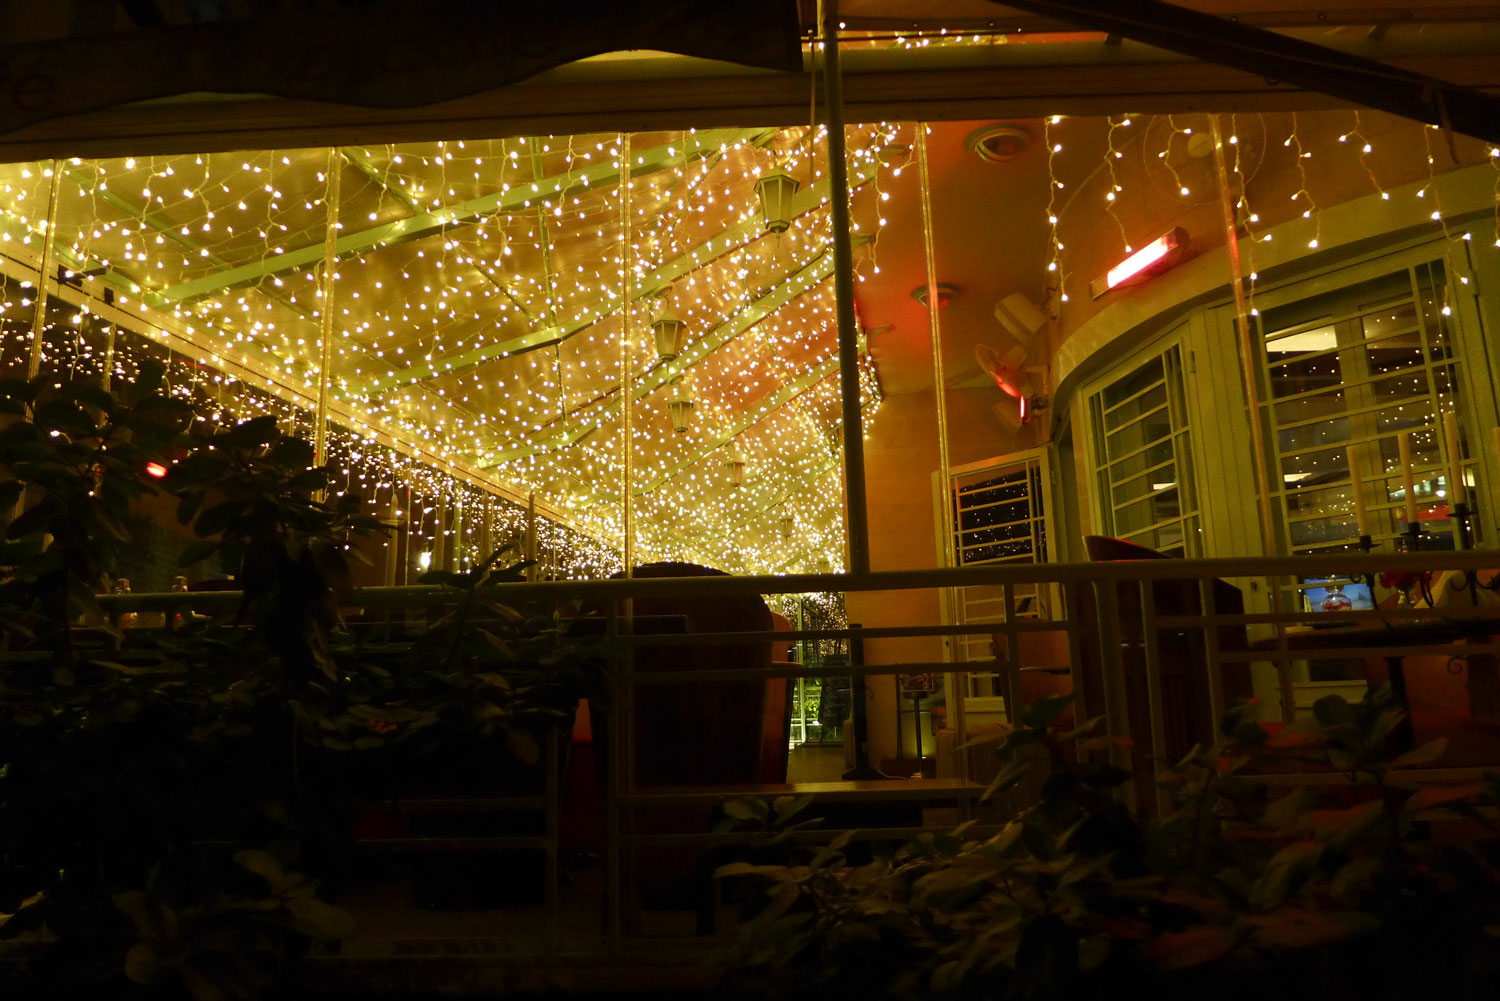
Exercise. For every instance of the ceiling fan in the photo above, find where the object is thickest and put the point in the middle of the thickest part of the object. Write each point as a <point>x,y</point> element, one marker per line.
<point>1007,367</point>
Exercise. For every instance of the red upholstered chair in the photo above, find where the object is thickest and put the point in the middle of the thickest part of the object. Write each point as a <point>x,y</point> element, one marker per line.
<point>774,748</point>
<point>699,732</point>
<point>1188,715</point>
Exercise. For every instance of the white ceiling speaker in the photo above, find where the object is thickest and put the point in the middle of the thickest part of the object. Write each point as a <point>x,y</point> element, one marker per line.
<point>1020,317</point>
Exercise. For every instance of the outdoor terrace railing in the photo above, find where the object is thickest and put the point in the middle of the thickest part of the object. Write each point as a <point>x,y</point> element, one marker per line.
<point>1119,638</point>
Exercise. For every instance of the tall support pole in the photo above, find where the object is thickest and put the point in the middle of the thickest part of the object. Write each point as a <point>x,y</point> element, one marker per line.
<point>325,314</point>
<point>628,448</point>
<point>957,682</point>
<point>108,373</point>
<point>1249,365</point>
<point>843,287</point>
<point>531,549</point>
<point>486,527</point>
<point>44,273</point>
<point>393,542</point>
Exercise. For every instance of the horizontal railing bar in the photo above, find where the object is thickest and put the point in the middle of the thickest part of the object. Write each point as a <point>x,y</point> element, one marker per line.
<point>1393,617</point>
<point>874,632</point>
<point>884,580</point>
<point>715,674</point>
<point>822,792</point>
<point>1270,655</point>
<point>816,836</point>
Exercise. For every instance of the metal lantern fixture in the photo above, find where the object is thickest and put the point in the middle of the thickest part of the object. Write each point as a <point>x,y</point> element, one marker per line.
<point>775,191</point>
<point>668,331</point>
<point>680,406</point>
<point>735,463</point>
<point>787,524</point>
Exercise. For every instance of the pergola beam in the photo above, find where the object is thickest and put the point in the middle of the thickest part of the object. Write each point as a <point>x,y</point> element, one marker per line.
<point>767,406</point>
<point>739,235</point>
<point>1363,82</point>
<point>516,198</point>
<point>808,277</point>
<point>362,163</point>
<point>804,480</point>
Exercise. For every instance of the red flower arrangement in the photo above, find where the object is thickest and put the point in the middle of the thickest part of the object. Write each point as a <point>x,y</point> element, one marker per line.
<point>1405,580</point>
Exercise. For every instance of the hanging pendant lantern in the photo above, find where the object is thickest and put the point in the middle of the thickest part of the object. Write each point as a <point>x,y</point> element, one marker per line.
<point>736,466</point>
<point>667,330</point>
<point>680,406</point>
<point>787,525</point>
<point>775,191</point>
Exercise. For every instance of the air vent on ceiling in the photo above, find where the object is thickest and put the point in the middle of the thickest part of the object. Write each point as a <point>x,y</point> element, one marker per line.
<point>999,143</point>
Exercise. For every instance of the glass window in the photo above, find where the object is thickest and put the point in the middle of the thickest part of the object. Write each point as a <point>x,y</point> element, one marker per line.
<point>1144,458</point>
<point>1361,365</point>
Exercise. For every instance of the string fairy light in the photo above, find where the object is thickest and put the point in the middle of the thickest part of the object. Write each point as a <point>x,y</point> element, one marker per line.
<point>1115,189</point>
<point>1054,185</point>
<point>453,258</point>
<point>1365,149</point>
<point>1302,196</point>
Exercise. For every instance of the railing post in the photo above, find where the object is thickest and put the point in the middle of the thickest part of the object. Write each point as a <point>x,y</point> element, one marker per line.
<point>858,716</point>
<point>613,762</point>
<point>1116,709</point>
<point>1013,704</point>
<point>1151,647</point>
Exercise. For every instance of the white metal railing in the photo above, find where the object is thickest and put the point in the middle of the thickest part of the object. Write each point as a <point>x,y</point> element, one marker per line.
<point>1112,624</point>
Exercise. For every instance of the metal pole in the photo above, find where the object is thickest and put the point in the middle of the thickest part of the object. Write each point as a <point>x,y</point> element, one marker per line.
<point>1248,364</point>
<point>44,275</point>
<point>843,286</point>
<point>1270,541</point>
<point>948,595</point>
<point>627,448</point>
<point>325,335</point>
<point>531,550</point>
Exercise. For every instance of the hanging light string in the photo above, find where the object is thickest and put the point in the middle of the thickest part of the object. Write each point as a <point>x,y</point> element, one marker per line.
<point>1111,195</point>
<point>1248,218</point>
<point>1054,263</point>
<point>1437,216</point>
<point>1302,196</point>
<point>1365,148</point>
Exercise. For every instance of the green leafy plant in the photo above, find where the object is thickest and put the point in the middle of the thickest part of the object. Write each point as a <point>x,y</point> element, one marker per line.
<point>1240,886</point>
<point>155,785</point>
<point>72,459</point>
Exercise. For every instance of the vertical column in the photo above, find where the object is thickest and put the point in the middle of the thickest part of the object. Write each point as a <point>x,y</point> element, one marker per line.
<point>325,308</point>
<point>843,286</point>
<point>486,529</point>
<point>44,274</point>
<point>957,682</point>
<point>393,543</point>
<point>531,547</point>
<point>628,448</point>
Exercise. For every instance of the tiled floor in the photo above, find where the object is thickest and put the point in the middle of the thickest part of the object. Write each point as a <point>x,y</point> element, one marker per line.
<point>814,763</point>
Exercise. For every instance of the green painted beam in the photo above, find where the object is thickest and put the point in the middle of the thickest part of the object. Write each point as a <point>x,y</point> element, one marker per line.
<point>805,480</point>
<point>361,163</point>
<point>734,237</point>
<point>767,405</point>
<point>808,277</point>
<point>415,227</point>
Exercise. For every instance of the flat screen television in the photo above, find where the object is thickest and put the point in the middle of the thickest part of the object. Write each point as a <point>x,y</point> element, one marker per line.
<point>1331,594</point>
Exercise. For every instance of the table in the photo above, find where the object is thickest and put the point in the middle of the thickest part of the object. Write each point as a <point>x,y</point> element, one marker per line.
<point>1394,641</point>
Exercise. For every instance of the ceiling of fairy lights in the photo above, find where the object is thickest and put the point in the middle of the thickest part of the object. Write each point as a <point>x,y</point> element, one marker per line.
<point>479,308</point>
